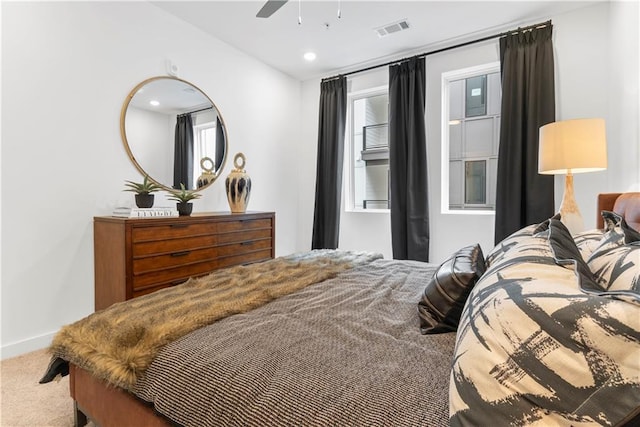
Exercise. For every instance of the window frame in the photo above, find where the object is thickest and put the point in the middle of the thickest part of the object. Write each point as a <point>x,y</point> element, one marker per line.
<point>446,79</point>
<point>348,167</point>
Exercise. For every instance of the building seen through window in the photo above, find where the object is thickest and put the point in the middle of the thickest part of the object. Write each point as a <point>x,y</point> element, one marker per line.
<point>368,137</point>
<point>471,138</point>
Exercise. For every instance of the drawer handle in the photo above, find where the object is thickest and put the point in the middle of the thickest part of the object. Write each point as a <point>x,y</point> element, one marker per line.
<point>179,225</point>
<point>246,243</point>
<point>183,253</point>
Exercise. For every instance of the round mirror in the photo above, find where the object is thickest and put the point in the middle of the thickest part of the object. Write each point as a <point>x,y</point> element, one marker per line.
<point>174,133</point>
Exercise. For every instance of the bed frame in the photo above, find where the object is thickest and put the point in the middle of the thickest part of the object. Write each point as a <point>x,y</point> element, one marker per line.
<point>110,406</point>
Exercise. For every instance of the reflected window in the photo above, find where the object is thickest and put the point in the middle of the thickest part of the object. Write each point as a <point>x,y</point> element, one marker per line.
<point>204,144</point>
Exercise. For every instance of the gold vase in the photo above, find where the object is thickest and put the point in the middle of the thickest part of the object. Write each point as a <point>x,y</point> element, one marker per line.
<point>238,185</point>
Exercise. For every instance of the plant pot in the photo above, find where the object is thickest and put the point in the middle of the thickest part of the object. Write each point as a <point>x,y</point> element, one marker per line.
<point>144,200</point>
<point>184,208</point>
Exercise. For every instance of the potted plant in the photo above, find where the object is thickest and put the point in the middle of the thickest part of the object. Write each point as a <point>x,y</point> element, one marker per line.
<point>144,198</point>
<point>183,197</point>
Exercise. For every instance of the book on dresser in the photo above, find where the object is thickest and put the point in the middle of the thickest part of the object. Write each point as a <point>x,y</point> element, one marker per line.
<point>129,212</point>
<point>138,256</point>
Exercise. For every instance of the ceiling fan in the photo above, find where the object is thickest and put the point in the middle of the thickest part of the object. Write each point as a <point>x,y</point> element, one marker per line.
<point>270,7</point>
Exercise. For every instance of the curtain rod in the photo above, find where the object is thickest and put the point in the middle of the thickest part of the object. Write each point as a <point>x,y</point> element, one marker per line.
<point>422,55</point>
<point>196,111</point>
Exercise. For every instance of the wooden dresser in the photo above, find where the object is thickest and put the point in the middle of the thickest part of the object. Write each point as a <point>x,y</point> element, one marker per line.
<point>137,256</point>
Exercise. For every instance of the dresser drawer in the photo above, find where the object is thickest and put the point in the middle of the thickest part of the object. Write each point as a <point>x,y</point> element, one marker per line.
<point>243,225</point>
<point>176,246</point>
<point>160,262</point>
<point>178,274</point>
<point>185,229</point>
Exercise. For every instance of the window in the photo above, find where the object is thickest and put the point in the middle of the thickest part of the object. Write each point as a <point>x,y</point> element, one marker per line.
<point>470,134</point>
<point>367,183</point>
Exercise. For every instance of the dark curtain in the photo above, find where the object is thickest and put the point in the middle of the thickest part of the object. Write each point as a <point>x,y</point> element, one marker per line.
<point>523,196</point>
<point>220,145</point>
<point>331,128</point>
<point>408,161</point>
<point>183,152</point>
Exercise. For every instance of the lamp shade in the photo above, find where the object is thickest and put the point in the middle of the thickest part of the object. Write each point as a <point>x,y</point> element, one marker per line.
<point>572,146</point>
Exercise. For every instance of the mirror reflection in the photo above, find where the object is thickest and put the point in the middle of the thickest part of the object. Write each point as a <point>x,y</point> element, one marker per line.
<point>174,133</point>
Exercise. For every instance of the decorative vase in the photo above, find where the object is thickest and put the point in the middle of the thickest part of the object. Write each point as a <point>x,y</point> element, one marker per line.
<point>238,185</point>
<point>207,175</point>
<point>184,208</point>
<point>144,200</point>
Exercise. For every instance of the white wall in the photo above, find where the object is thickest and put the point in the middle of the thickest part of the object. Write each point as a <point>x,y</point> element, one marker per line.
<point>150,137</point>
<point>597,75</point>
<point>583,68</point>
<point>66,70</point>
<point>596,59</point>
<point>624,97</point>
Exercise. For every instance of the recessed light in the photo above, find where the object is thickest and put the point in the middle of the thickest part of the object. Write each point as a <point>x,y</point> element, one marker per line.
<point>154,103</point>
<point>309,56</point>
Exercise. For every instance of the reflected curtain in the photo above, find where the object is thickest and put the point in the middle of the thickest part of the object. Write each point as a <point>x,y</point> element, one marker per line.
<point>220,145</point>
<point>523,196</point>
<point>408,161</point>
<point>183,152</point>
<point>331,128</point>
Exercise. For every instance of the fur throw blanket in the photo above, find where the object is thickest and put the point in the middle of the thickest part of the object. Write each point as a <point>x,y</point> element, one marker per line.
<point>119,343</point>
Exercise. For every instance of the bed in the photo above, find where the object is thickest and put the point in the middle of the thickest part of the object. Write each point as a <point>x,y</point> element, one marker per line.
<point>542,329</point>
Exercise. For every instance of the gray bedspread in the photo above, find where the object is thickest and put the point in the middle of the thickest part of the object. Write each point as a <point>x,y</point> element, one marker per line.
<point>344,352</point>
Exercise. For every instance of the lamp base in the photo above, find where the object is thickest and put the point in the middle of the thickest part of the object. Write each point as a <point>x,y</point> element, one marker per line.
<point>569,212</point>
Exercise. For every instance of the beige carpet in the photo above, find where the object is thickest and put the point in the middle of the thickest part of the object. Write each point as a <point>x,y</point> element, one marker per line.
<point>27,403</point>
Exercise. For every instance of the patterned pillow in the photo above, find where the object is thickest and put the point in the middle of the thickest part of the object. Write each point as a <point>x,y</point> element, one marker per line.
<point>511,241</point>
<point>616,266</point>
<point>445,295</point>
<point>618,269</point>
<point>630,235</point>
<point>617,233</point>
<point>539,343</point>
<point>588,241</point>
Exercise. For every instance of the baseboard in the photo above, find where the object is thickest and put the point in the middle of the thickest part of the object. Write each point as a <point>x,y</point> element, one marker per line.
<point>26,346</point>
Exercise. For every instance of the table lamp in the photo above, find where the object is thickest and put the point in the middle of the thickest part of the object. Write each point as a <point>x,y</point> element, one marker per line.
<point>568,147</point>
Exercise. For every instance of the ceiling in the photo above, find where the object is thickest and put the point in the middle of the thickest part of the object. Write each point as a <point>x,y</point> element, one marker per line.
<point>172,97</point>
<point>350,42</point>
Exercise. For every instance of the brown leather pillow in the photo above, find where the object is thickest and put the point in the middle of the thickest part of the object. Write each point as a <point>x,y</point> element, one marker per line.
<point>445,295</point>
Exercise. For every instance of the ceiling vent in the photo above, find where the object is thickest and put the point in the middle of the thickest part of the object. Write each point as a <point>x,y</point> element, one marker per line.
<point>394,27</point>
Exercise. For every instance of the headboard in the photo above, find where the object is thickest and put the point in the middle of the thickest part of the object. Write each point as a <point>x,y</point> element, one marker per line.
<point>625,204</point>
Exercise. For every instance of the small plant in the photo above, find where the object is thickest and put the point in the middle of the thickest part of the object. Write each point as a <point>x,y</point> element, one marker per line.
<point>144,188</point>
<point>183,195</point>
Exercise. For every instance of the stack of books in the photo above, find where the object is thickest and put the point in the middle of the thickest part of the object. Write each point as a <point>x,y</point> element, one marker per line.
<point>128,212</point>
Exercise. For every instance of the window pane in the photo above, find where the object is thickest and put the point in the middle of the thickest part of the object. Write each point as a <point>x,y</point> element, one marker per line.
<point>376,136</point>
<point>455,184</point>
<point>370,145</point>
<point>478,137</point>
<point>456,100</point>
<point>476,96</point>
<point>475,182</point>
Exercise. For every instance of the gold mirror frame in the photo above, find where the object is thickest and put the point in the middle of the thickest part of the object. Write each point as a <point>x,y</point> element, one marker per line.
<point>211,175</point>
